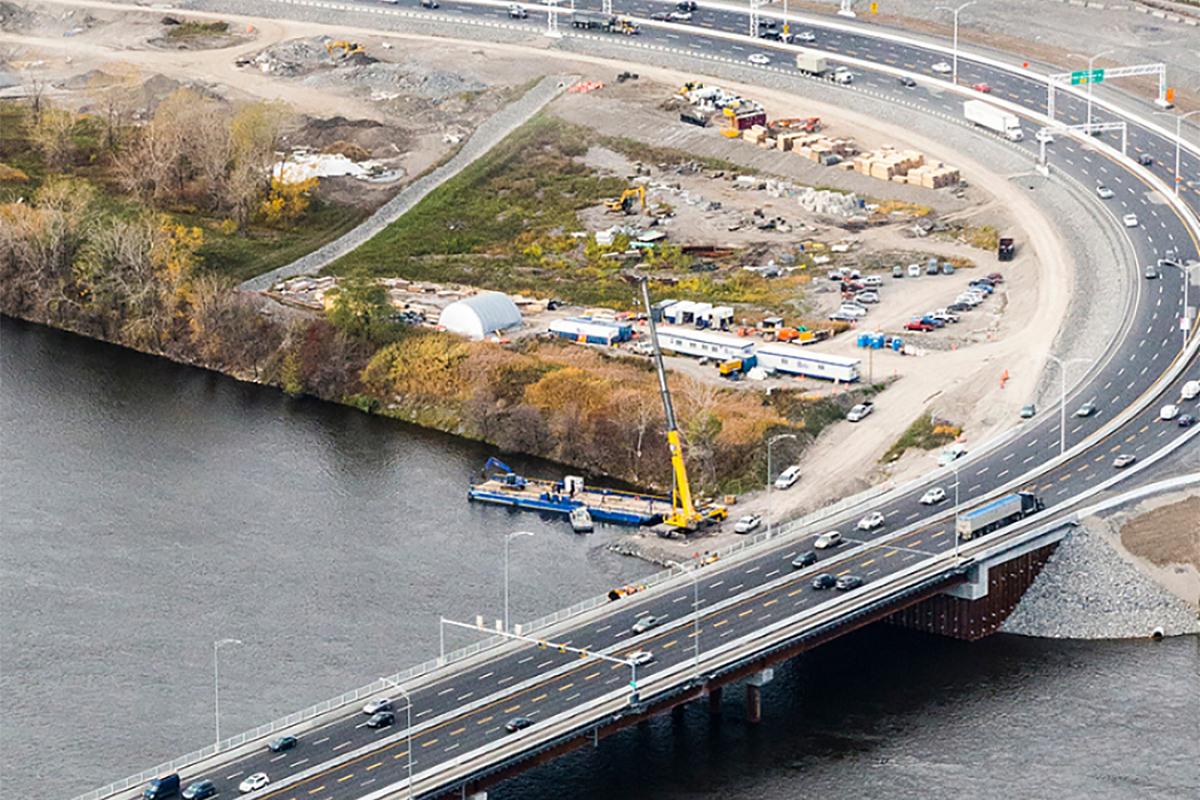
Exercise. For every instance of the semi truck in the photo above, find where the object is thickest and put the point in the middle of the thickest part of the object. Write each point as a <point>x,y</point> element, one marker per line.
<point>994,119</point>
<point>998,513</point>
<point>593,21</point>
<point>811,63</point>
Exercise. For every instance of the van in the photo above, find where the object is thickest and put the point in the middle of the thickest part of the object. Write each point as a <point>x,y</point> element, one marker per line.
<point>164,786</point>
<point>872,280</point>
<point>914,270</point>
<point>1191,390</point>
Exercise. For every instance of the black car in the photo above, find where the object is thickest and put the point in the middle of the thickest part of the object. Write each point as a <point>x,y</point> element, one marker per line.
<point>198,790</point>
<point>906,81</point>
<point>848,582</point>
<point>518,724</point>
<point>687,5</point>
<point>1186,420</point>
<point>805,559</point>
<point>429,4</point>
<point>1145,159</point>
<point>824,581</point>
<point>381,720</point>
<point>958,307</point>
<point>282,743</point>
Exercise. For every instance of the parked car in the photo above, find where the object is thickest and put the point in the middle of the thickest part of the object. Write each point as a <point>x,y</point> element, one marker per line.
<point>377,705</point>
<point>944,315</point>
<point>646,623</point>
<point>1130,220</point>
<point>788,477</point>
<point>934,321</point>
<point>1168,412</point>
<point>1121,462</point>
<point>947,268</point>
<point>282,743</point>
<point>1104,192</point>
<point>848,582</point>
<point>995,277</point>
<point>827,540</point>
<point>860,412</point>
<point>897,271</point>
<point>958,308</point>
<point>517,724</point>
<point>253,782</point>
<point>747,523</point>
<point>873,281</point>
<point>919,325</point>
<point>1028,410</point>
<point>198,790</point>
<point>1087,409</point>
<point>381,720</point>
<point>942,68</point>
<point>641,657</point>
<point>933,496</point>
<point>824,581</point>
<point>871,521</point>
<point>914,270</point>
<point>805,559</point>
<point>852,310</point>
<point>867,297</point>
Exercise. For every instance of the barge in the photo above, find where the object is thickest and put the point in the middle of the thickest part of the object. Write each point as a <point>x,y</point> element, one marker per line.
<point>502,486</point>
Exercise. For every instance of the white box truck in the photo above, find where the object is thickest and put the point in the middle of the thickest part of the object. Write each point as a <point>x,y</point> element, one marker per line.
<point>994,119</point>
<point>811,63</point>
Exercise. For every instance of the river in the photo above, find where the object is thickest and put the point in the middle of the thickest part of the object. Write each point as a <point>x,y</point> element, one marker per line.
<point>150,509</point>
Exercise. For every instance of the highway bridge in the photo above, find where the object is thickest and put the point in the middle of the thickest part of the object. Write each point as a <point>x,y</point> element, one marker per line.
<point>731,620</point>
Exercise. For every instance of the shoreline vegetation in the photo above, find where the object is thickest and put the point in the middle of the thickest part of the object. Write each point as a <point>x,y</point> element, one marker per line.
<point>121,231</point>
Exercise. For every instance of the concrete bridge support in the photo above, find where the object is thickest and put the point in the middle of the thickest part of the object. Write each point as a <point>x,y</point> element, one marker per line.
<point>754,693</point>
<point>714,700</point>
<point>979,606</point>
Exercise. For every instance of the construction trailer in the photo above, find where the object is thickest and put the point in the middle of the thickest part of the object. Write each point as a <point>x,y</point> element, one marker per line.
<point>588,330</point>
<point>793,360</point>
<point>705,344</point>
<point>702,315</point>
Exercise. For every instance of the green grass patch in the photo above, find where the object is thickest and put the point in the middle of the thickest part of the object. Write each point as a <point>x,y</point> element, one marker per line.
<point>640,151</point>
<point>924,433</point>
<point>195,29</point>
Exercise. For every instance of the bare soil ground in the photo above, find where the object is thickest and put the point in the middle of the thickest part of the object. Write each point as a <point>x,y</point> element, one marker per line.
<point>1162,536</point>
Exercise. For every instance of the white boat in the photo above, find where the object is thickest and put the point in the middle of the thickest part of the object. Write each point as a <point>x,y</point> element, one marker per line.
<point>581,520</point>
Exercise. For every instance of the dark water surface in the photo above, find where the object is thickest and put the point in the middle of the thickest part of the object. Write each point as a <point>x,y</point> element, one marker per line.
<point>149,509</point>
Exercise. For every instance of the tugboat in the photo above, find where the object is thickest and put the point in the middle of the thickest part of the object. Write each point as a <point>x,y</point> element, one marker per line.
<point>581,520</point>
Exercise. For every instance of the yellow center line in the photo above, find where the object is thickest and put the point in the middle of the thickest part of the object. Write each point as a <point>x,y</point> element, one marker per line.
<point>1082,467</point>
<point>868,562</point>
<point>795,592</point>
<point>746,613</point>
<point>1098,458</point>
<point>485,720</point>
<point>1064,478</point>
<point>1130,438</point>
<point>592,675</point>
<point>539,698</point>
<point>566,686</point>
<point>511,709</point>
<point>320,788</point>
<point>400,755</point>
<point>719,623</point>
<point>457,731</point>
<point>915,542</point>
<point>771,602</point>
<point>430,743</point>
<point>843,572</point>
<point>671,643</point>
<point>890,553</point>
<point>345,778</point>
<point>373,766</point>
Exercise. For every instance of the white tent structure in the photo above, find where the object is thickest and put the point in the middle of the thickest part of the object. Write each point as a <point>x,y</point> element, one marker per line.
<point>481,315</point>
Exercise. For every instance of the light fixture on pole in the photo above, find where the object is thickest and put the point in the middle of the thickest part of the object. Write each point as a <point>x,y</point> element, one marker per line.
<point>695,577</point>
<point>954,51</point>
<point>1186,271</point>
<point>217,645</point>
<point>770,480</point>
<point>1179,118</point>
<point>1091,63</point>
<point>1062,405</point>
<point>408,724</point>
<point>954,469</point>
<point>508,537</point>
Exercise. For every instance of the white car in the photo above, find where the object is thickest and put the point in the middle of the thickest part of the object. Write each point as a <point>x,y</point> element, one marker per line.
<point>1168,412</point>
<point>517,12</point>
<point>1190,390</point>
<point>759,58</point>
<point>1103,192</point>
<point>375,706</point>
<point>828,540</point>
<point>680,16</point>
<point>1130,220</point>
<point>942,68</point>
<point>1044,136</point>
<point>253,782</point>
<point>849,310</point>
<point>641,657</point>
<point>860,412</point>
<point>914,270</point>
<point>951,454</point>
<point>806,36</point>
<point>867,297</point>
<point>871,521</point>
<point>934,496</point>
<point>747,523</point>
<point>788,477</point>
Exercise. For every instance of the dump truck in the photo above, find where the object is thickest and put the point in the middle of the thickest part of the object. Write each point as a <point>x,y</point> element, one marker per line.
<point>994,119</point>
<point>811,63</point>
<point>998,513</point>
<point>593,21</point>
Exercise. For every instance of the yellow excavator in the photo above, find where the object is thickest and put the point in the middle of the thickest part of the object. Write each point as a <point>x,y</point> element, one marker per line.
<point>624,203</point>
<point>685,516</point>
<point>347,48</point>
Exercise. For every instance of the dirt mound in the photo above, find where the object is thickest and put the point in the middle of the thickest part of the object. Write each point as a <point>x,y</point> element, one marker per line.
<point>1166,535</point>
<point>333,134</point>
<point>14,18</point>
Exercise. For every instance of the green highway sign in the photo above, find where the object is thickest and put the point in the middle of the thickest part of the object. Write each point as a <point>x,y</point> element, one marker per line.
<point>1084,76</point>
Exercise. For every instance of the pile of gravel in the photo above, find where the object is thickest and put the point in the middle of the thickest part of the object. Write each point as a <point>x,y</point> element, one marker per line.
<point>1087,591</point>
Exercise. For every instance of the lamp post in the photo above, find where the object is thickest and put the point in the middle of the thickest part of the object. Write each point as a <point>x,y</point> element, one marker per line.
<point>954,57</point>
<point>217,645</point>
<point>408,723</point>
<point>1179,118</point>
<point>1091,63</point>
<point>954,469</point>
<point>508,537</point>
<point>770,443</point>
<point>693,574</point>
<point>1062,405</point>
<point>1186,271</point>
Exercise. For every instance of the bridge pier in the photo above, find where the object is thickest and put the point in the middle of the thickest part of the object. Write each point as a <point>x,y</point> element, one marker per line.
<point>714,700</point>
<point>754,693</point>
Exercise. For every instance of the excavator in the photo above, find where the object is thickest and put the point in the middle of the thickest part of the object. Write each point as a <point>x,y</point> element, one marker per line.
<point>685,516</point>
<point>348,48</point>
<point>624,203</point>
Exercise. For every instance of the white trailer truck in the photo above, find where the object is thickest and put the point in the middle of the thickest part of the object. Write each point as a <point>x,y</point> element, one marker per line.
<point>994,119</point>
<point>811,63</point>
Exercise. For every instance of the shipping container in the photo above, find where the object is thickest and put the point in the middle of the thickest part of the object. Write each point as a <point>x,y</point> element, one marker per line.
<point>591,331</point>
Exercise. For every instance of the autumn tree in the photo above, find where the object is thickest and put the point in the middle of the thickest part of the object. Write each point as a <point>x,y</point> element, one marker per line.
<point>360,308</point>
<point>50,132</point>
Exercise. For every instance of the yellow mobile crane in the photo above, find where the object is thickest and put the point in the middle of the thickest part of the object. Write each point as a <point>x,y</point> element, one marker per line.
<point>684,514</point>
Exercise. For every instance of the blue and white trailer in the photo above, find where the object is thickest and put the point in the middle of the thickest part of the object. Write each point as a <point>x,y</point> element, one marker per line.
<point>793,360</point>
<point>691,342</point>
<point>998,513</point>
<point>591,331</point>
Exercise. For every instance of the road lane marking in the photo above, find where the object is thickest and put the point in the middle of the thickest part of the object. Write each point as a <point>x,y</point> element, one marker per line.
<point>430,743</point>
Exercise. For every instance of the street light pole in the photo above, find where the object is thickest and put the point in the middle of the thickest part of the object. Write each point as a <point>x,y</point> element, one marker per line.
<point>954,468</point>
<point>770,443</point>
<point>954,57</point>
<point>408,723</point>
<point>1186,271</point>
<point>1179,118</point>
<point>1091,64</point>
<point>695,611</point>
<point>508,537</point>
<point>1062,406</point>
<point>217,645</point>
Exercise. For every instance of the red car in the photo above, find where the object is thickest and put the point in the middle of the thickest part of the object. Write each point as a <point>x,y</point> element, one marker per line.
<point>982,87</point>
<point>996,277</point>
<point>918,325</point>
